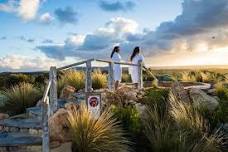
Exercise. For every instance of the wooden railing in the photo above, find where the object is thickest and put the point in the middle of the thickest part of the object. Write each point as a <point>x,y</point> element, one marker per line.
<point>88,63</point>
<point>49,99</point>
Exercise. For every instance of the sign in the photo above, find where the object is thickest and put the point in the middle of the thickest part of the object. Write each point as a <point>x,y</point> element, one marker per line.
<point>93,101</point>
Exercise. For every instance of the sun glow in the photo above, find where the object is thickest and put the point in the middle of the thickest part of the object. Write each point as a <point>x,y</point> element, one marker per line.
<point>210,57</point>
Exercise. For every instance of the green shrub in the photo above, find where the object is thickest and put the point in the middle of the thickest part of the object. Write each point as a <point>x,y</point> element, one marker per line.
<point>20,97</point>
<point>129,117</point>
<point>15,79</point>
<point>126,78</point>
<point>156,96</point>
<point>99,80</point>
<point>96,135</point>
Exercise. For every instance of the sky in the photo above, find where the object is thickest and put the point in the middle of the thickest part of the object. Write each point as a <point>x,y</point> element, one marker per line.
<point>37,34</point>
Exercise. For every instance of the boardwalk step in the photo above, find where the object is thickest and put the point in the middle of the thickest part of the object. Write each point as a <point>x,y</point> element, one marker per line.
<point>19,139</point>
<point>22,123</point>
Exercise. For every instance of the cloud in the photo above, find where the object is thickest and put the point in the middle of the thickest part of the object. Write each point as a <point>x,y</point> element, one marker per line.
<point>116,5</point>
<point>47,41</point>
<point>94,45</point>
<point>46,18</point>
<point>3,38</point>
<point>20,63</point>
<point>9,6</point>
<point>67,15</point>
<point>29,40</point>
<point>191,28</point>
<point>202,30</point>
<point>28,8</point>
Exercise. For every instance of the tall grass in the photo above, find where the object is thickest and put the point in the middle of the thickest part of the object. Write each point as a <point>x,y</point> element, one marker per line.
<point>178,127</point>
<point>96,135</point>
<point>99,80</point>
<point>73,78</point>
<point>20,97</point>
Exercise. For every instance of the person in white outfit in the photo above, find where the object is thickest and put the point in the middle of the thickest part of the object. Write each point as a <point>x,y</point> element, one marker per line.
<point>115,56</point>
<point>136,58</point>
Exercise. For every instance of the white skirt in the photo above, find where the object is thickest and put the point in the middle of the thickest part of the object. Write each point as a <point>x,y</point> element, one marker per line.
<point>117,72</point>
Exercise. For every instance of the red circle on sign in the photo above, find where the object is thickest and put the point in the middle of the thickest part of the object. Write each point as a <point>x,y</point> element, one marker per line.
<point>93,102</point>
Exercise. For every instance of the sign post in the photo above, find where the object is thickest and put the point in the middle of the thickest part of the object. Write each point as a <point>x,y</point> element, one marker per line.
<point>93,101</point>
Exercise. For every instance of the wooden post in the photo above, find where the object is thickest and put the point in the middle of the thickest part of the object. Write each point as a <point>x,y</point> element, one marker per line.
<point>53,90</point>
<point>140,74</point>
<point>45,136</point>
<point>88,84</point>
<point>110,76</point>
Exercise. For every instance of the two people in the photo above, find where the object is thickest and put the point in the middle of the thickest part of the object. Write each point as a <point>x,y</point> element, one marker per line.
<point>135,58</point>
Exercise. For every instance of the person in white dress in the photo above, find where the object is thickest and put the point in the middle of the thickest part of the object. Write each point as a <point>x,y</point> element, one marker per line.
<point>115,56</point>
<point>136,58</point>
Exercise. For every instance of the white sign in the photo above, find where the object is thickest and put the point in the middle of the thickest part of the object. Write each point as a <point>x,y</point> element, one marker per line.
<point>94,104</point>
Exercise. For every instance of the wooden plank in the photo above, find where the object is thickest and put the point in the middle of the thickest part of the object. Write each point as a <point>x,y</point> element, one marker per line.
<point>45,136</point>
<point>111,76</point>
<point>22,123</point>
<point>53,90</point>
<point>19,139</point>
<point>88,84</point>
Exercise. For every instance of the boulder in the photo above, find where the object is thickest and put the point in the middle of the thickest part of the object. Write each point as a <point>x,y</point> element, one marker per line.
<point>67,92</point>
<point>3,116</point>
<point>212,92</point>
<point>58,124</point>
<point>200,98</point>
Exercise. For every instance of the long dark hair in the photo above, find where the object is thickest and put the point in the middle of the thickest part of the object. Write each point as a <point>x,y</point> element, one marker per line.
<point>135,52</point>
<point>115,49</point>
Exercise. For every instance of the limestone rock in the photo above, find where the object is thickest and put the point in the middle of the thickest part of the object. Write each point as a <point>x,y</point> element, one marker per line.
<point>67,92</point>
<point>58,123</point>
<point>212,92</point>
<point>3,116</point>
<point>200,98</point>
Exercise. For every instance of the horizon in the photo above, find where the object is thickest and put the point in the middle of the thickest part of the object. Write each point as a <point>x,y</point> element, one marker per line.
<point>179,33</point>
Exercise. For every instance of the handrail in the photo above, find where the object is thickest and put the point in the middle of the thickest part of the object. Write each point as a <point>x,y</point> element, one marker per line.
<point>123,63</point>
<point>99,60</point>
<point>45,95</point>
<point>74,64</point>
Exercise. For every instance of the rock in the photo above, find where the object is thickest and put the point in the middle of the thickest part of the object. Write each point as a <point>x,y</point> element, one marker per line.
<point>39,103</point>
<point>58,123</point>
<point>67,92</point>
<point>140,108</point>
<point>200,98</point>
<point>179,92</point>
<point>3,116</point>
<point>212,92</point>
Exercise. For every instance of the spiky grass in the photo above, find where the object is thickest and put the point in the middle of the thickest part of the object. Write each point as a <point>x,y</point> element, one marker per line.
<point>96,135</point>
<point>73,78</point>
<point>20,97</point>
<point>99,80</point>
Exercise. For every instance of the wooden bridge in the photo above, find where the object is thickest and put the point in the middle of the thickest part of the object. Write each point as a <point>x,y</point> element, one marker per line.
<point>50,105</point>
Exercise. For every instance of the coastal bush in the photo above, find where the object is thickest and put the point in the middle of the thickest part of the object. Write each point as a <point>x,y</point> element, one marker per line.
<point>129,117</point>
<point>96,135</point>
<point>178,126</point>
<point>126,78</point>
<point>73,78</point>
<point>99,80</point>
<point>15,79</point>
<point>20,97</point>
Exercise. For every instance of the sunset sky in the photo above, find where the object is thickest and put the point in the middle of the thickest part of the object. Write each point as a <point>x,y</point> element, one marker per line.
<point>35,34</point>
